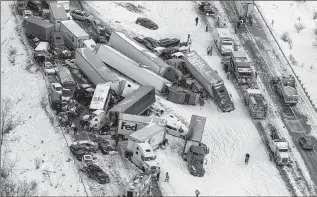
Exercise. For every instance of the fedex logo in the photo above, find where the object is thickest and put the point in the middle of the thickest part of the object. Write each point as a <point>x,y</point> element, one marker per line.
<point>125,126</point>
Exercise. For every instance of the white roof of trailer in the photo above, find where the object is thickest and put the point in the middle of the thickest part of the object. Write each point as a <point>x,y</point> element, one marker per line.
<point>75,28</point>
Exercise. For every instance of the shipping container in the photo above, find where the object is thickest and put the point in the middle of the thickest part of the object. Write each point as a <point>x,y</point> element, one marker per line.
<point>129,47</point>
<point>131,69</point>
<point>74,35</point>
<point>135,103</point>
<point>38,28</point>
<point>209,79</point>
<point>57,14</point>
<point>96,71</point>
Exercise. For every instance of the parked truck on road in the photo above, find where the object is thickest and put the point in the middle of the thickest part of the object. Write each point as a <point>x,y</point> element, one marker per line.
<point>95,70</point>
<point>194,151</point>
<point>131,69</point>
<point>128,124</point>
<point>36,27</point>
<point>209,79</point>
<point>74,35</point>
<point>278,146</point>
<point>285,87</point>
<point>135,103</point>
<point>240,68</point>
<point>256,103</point>
<point>68,83</point>
<point>129,47</point>
<point>224,41</point>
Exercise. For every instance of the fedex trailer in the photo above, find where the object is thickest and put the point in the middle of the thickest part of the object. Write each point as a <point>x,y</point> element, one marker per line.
<point>131,69</point>
<point>128,124</point>
<point>129,47</point>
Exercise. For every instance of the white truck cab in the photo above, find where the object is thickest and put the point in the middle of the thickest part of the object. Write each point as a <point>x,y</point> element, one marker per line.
<point>144,157</point>
<point>98,120</point>
<point>224,41</point>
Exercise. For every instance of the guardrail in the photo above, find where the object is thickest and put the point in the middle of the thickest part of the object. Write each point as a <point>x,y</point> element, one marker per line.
<point>290,66</point>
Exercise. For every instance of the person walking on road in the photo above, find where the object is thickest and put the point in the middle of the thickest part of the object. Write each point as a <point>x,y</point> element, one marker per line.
<point>206,28</point>
<point>167,177</point>
<point>196,19</point>
<point>197,192</point>
<point>116,140</point>
<point>247,157</point>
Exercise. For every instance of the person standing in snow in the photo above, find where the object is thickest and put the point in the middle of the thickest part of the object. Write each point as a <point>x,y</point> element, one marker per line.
<point>206,28</point>
<point>196,19</point>
<point>116,139</point>
<point>197,192</point>
<point>158,176</point>
<point>167,177</point>
<point>246,160</point>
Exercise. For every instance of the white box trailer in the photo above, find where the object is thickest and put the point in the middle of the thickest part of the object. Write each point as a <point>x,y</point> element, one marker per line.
<point>131,69</point>
<point>74,35</point>
<point>244,8</point>
<point>57,14</point>
<point>100,99</point>
<point>152,134</point>
<point>129,47</point>
<point>128,124</point>
<point>65,4</point>
<point>96,71</point>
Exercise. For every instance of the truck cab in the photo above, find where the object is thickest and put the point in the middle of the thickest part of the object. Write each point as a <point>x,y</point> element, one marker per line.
<point>196,160</point>
<point>98,120</point>
<point>224,41</point>
<point>222,98</point>
<point>285,87</point>
<point>144,157</point>
<point>279,147</point>
<point>241,67</point>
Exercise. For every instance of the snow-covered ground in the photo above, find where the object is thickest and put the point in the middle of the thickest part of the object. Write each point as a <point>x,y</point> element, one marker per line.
<point>284,15</point>
<point>35,138</point>
<point>228,135</point>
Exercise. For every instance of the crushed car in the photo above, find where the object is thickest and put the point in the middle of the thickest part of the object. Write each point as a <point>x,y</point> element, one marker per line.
<point>168,42</point>
<point>306,142</point>
<point>81,15</point>
<point>95,172</point>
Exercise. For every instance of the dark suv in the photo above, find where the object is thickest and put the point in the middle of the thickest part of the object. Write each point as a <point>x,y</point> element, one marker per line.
<point>35,6</point>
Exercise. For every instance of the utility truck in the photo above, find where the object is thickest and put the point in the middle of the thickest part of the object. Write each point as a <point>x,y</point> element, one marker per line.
<point>224,41</point>
<point>194,151</point>
<point>128,124</point>
<point>285,87</point>
<point>139,185</point>
<point>141,144</point>
<point>256,103</point>
<point>278,146</point>
<point>240,68</point>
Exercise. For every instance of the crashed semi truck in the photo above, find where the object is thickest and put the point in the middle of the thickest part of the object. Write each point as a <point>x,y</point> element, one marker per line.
<point>209,79</point>
<point>194,151</point>
<point>129,47</point>
<point>96,71</point>
<point>135,103</point>
<point>141,145</point>
<point>115,59</point>
<point>128,124</point>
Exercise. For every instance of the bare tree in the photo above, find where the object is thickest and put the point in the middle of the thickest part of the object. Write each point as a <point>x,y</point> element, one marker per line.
<point>299,26</point>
